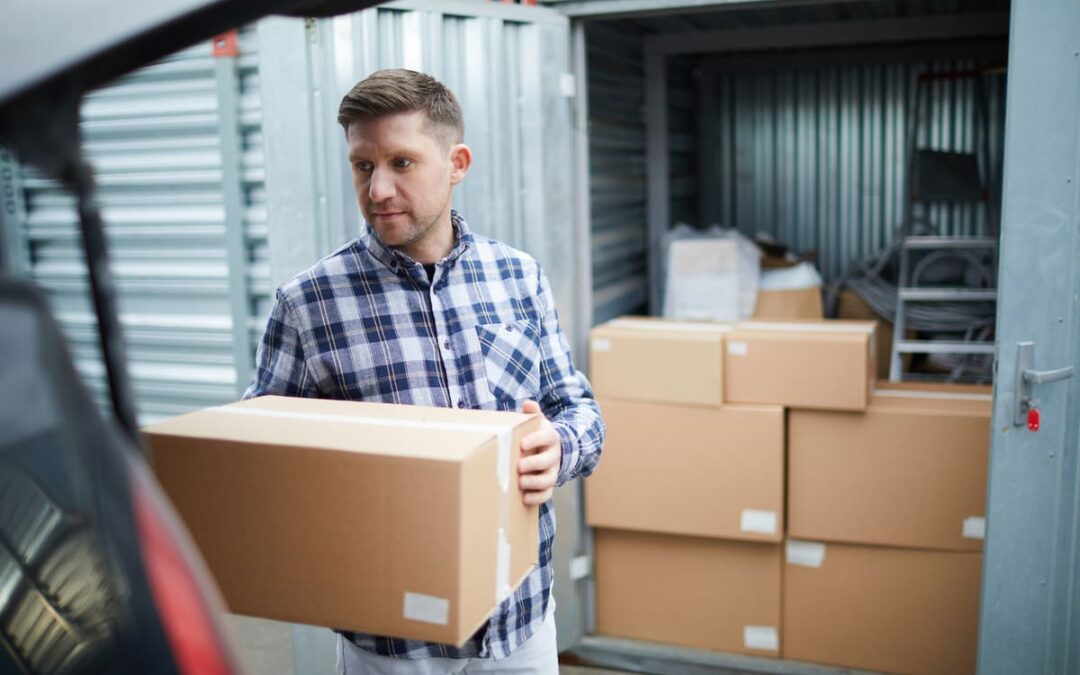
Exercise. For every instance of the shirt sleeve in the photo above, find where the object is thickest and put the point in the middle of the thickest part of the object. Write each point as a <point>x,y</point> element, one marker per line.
<point>280,368</point>
<point>565,394</point>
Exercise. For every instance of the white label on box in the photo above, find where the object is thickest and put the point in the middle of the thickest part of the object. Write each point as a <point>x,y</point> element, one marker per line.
<point>737,348</point>
<point>427,608</point>
<point>761,637</point>
<point>975,527</point>
<point>761,522</point>
<point>502,571</point>
<point>601,345</point>
<point>580,567</point>
<point>805,553</point>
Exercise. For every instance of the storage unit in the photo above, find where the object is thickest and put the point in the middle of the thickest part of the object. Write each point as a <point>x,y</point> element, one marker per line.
<point>790,119</point>
<point>785,118</point>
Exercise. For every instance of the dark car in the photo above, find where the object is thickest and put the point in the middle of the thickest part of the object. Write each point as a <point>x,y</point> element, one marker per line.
<point>97,575</point>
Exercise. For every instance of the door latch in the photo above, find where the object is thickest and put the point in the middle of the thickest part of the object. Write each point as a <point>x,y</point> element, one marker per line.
<point>1026,377</point>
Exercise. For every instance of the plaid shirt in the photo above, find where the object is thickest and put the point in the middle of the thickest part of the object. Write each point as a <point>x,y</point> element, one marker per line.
<point>365,323</point>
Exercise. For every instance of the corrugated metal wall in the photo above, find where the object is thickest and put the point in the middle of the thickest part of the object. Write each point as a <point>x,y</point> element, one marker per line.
<point>683,143</point>
<point>617,169</point>
<point>817,156</point>
<point>154,139</point>
<point>814,156</point>
<point>505,65</point>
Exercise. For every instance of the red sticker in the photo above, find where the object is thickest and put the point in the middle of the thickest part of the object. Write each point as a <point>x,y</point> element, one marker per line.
<point>1033,419</point>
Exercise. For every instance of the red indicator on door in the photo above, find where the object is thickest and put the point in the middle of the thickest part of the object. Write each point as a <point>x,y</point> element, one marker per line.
<point>1033,419</point>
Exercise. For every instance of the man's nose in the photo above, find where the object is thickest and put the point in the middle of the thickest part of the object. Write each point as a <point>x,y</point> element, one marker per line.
<point>381,187</point>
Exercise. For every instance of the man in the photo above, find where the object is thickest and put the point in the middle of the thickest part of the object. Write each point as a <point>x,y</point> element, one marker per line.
<point>420,310</point>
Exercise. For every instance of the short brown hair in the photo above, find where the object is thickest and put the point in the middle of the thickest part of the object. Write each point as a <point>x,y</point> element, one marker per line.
<point>397,90</point>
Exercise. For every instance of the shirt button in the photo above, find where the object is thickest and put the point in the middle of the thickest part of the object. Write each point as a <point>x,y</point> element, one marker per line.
<point>446,345</point>
<point>509,328</point>
<point>461,404</point>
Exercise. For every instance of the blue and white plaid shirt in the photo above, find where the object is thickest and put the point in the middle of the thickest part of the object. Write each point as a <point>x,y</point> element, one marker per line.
<point>365,323</point>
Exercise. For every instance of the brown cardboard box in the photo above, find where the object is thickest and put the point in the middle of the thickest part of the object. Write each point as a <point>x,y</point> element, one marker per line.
<point>798,303</point>
<point>642,359</point>
<point>708,472</point>
<point>387,519</point>
<point>851,306</point>
<point>910,471</point>
<point>703,593</point>
<point>882,609</point>
<point>800,364</point>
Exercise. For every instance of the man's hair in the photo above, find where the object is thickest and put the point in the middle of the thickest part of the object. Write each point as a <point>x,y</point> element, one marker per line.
<point>396,90</point>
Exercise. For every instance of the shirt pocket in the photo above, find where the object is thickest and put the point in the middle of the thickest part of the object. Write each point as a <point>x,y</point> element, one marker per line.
<point>511,353</point>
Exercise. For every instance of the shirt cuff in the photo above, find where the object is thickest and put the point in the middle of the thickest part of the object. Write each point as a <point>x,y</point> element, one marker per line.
<point>569,453</point>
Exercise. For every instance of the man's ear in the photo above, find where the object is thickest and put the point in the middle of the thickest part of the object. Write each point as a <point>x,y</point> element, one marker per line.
<point>460,161</point>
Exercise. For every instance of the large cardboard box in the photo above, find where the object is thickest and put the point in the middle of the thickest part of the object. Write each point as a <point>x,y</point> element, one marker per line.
<point>801,364</point>
<point>882,609</point>
<point>851,306</point>
<point>910,471</point>
<point>703,593</point>
<point>795,303</point>
<point>642,359</point>
<point>708,472</point>
<point>395,520</point>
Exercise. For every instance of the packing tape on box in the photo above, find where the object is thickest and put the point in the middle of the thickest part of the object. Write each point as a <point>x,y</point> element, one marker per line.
<point>804,553</point>
<point>757,521</point>
<point>974,527</point>
<point>765,638</point>
<point>427,608</point>
<point>809,327</point>
<point>503,434</point>
<point>690,327</point>
<point>502,571</point>
<point>942,395</point>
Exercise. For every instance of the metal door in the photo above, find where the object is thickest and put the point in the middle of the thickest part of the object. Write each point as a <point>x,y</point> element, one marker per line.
<point>1030,620</point>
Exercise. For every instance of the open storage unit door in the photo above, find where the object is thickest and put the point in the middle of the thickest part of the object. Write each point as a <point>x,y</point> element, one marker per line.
<point>794,119</point>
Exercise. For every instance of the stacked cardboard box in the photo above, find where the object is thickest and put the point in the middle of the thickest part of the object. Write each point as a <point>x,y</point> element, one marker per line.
<point>689,498</point>
<point>886,520</point>
<point>882,515</point>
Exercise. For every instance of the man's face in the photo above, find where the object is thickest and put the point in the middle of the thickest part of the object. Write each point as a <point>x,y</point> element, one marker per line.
<point>403,174</point>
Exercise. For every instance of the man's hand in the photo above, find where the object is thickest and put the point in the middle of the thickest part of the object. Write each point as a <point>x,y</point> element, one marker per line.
<point>541,457</point>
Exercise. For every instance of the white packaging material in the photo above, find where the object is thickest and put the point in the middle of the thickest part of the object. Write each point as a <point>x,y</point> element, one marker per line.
<point>791,278</point>
<point>710,275</point>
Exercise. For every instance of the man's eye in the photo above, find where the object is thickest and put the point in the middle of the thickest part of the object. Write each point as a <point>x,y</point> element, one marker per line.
<point>402,163</point>
<point>362,166</point>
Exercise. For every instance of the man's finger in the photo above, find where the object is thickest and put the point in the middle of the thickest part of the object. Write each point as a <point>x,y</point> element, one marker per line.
<point>529,407</point>
<point>538,481</point>
<point>543,437</point>
<point>533,498</point>
<point>541,461</point>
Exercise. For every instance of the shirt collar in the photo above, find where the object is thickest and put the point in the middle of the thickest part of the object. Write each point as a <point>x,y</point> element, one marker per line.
<point>395,259</point>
